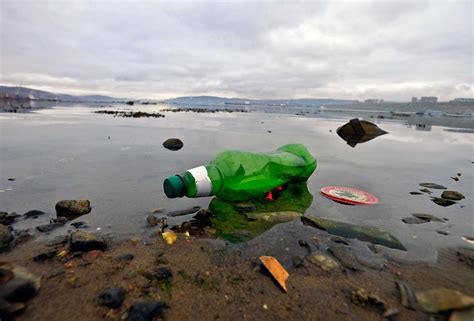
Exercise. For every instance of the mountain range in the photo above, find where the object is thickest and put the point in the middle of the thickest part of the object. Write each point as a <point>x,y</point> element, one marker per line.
<point>34,94</point>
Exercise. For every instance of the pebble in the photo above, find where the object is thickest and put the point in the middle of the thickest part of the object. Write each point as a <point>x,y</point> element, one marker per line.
<point>33,214</point>
<point>112,297</point>
<point>44,256</point>
<point>173,144</point>
<point>162,273</point>
<point>6,237</point>
<point>452,195</point>
<point>145,310</point>
<point>48,227</point>
<point>124,257</point>
<point>81,241</point>
<point>442,201</point>
<point>324,261</point>
<point>72,208</point>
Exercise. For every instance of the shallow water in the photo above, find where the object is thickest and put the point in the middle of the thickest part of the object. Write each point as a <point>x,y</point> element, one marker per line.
<point>65,153</point>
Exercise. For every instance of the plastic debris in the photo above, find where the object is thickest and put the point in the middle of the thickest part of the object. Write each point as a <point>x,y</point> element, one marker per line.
<point>349,195</point>
<point>170,237</point>
<point>276,270</point>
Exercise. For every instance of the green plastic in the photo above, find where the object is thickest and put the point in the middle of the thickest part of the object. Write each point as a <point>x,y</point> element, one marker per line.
<point>238,175</point>
<point>174,186</point>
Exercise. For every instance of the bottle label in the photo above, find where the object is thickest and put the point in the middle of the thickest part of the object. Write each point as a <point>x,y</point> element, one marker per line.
<point>203,182</point>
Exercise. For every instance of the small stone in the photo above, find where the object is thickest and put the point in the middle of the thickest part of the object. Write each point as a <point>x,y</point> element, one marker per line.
<point>124,257</point>
<point>415,193</point>
<point>173,144</point>
<point>60,220</point>
<point>48,227</point>
<point>80,224</point>
<point>432,185</point>
<point>44,256</point>
<point>324,261</point>
<point>162,273</point>
<point>452,195</point>
<point>33,214</point>
<point>22,236</point>
<point>152,220</point>
<point>7,219</point>
<point>297,261</point>
<point>55,272</point>
<point>112,297</point>
<point>425,190</point>
<point>11,179</point>
<point>442,232</point>
<point>73,208</point>
<point>455,178</point>
<point>442,201</point>
<point>413,220</point>
<point>20,286</point>
<point>145,310</point>
<point>58,240</point>
<point>6,237</point>
<point>427,217</point>
<point>81,241</point>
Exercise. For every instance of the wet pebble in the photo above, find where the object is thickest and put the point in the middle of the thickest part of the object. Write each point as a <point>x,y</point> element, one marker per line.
<point>452,195</point>
<point>415,193</point>
<point>324,261</point>
<point>173,144</point>
<point>44,256</point>
<point>145,310</point>
<point>442,232</point>
<point>58,240</point>
<point>413,220</point>
<point>80,224</point>
<point>425,190</point>
<point>442,201</point>
<point>6,237</point>
<point>73,208</point>
<point>81,241</point>
<point>112,297</point>
<point>432,185</point>
<point>124,257</point>
<point>48,227</point>
<point>152,220</point>
<point>163,272</point>
<point>33,214</point>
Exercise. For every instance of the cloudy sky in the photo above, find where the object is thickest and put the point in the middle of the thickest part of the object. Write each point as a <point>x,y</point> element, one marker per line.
<point>271,49</point>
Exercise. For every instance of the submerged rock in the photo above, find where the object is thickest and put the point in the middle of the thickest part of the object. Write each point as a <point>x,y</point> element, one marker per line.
<point>324,261</point>
<point>452,195</point>
<point>33,214</point>
<point>173,144</point>
<point>413,220</point>
<point>145,310</point>
<point>44,256</point>
<point>425,190</point>
<point>442,201</point>
<point>427,217</point>
<point>359,131</point>
<point>81,241</point>
<point>283,216</point>
<point>6,237</point>
<point>73,208</point>
<point>8,218</point>
<point>48,227</point>
<point>368,234</point>
<point>112,297</point>
<point>433,186</point>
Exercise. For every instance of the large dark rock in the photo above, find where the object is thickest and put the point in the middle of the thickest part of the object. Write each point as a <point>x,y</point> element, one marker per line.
<point>145,310</point>
<point>73,208</point>
<point>112,297</point>
<point>44,256</point>
<point>452,195</point>
<point>173,144</point>
<point>81,241</point>
<point>6,237</point>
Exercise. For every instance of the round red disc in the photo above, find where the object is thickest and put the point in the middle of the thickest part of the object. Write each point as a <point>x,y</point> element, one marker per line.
<point>349,195</point>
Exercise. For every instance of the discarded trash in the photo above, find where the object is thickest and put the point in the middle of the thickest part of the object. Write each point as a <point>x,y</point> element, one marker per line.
<point>170,237</point>
<point>237,176</point>
<point>349,195</point>
<point>359,131</point>
<point>368,234</point>
<point>276,270</point>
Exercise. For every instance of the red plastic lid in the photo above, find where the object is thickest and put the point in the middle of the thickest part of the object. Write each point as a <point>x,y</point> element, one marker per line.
<point>349,195</point>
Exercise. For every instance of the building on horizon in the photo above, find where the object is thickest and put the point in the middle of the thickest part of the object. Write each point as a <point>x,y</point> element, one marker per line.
<point>414,100</point>
<point>429,99</point>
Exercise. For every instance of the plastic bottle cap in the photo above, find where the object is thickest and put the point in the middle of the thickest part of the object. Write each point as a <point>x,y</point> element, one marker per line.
<point>174,186</point>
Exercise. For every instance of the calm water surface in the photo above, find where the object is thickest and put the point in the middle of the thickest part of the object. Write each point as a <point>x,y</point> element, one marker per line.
<point>65,153</point>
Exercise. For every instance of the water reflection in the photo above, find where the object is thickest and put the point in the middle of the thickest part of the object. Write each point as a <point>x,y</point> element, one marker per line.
<point>238,222</point>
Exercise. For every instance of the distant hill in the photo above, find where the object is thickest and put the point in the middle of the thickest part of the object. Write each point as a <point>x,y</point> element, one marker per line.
<point>34,94</point>
<point>213,100</point>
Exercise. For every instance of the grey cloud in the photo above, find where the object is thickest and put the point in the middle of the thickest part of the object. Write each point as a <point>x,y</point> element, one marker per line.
<point>383,49</point>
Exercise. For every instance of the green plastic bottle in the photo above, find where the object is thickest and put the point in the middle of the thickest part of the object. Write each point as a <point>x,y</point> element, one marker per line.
<point>237,175</point>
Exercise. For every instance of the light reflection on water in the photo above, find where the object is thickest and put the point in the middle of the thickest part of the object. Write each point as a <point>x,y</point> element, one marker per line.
<point>65,153</point>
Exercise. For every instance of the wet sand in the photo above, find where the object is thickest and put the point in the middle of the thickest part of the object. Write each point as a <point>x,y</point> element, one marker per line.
<point>213,282</point>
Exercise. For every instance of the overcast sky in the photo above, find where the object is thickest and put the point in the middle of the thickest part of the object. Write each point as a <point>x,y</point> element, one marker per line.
<point>286,49</point>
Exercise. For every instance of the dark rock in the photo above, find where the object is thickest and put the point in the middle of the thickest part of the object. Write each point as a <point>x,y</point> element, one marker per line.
<point>433,186</point>
<point>11,179</point>
<point>145,310</point>
<point>44,256</point>
<point>152,220</point>
<point>58,240</point>
<point>60,220</point>
<point>298,261</point>
<point>80,224</point>
<point>112,297</point>
<point>33,214</point>
<point>359,131</point>
<point>124,257</point>
<point>442,201</point>
<point>455,178</point>
<point>73,208</point>
<point>7,219</point>
<point>425,190</point>
<point>22,236</point>
<point>173,144</point>
<point>81,241</point>
<point>6,237</point>
<point>413,220</point>
<point>162,273</point>
<point>442,232</point>
<point>54,273</point>
<point>48,227</point>
<point>415,193</point>
<point>452,195</point>
<point>19,286</point>
<point>427,217</point>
